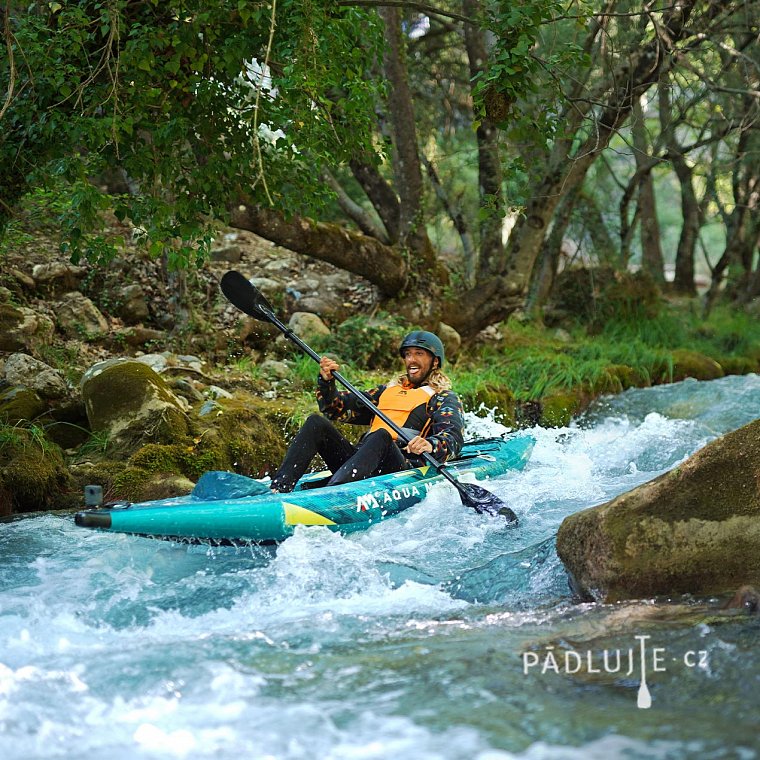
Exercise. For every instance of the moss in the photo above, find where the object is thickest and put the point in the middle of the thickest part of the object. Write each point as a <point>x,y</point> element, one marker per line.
<point>136,484</point>
<point>688,363</point>
<point>32,474</point>
<point>489,396</point>
<point>558,409</point>
<point>250,435</point>
<point>628,377</point>
<point>18,404</point>
<point>739,365</point>
<point>131,403</point>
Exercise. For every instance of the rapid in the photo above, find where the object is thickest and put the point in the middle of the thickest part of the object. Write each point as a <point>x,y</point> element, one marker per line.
<point>409,640</point>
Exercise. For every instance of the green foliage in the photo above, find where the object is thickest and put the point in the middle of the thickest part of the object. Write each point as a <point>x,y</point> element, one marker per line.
<point>170,94</point>
<point>370,342</point>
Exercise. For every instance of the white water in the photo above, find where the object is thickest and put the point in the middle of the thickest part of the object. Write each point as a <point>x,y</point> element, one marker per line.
<point>406,641</point>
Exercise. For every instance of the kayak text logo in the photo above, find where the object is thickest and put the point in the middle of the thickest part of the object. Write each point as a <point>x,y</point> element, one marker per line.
<point>638,660</point>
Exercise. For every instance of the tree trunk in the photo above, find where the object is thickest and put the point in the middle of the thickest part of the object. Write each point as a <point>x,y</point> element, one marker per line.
<point>381,195</point>
<point>545,273</point>
<point>406,159</point>
<point>651,250</point>
<point>491,248</point>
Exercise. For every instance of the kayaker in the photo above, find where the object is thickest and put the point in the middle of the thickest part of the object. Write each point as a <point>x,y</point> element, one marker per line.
<point>420,401</point>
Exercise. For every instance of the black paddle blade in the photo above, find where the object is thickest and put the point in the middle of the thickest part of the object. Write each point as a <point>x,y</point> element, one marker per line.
<point>241,292</point>
<point>484,502</point>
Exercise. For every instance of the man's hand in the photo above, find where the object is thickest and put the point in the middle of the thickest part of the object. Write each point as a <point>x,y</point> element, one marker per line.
<point>419,445</point>
<point>326,367</point>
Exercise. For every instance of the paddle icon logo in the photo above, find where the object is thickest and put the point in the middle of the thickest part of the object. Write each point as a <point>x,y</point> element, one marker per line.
<point>627,666</point>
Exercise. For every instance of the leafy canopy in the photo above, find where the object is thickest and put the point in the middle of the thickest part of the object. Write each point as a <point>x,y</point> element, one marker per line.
<point>198,102</point>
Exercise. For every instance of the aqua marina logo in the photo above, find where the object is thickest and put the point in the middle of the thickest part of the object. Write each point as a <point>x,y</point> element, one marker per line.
<point>639,661</point>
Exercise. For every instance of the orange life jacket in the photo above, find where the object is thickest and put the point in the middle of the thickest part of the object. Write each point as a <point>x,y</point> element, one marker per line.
<point>406,406</point>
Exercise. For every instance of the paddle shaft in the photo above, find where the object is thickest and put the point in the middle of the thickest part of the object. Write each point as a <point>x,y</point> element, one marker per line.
<point>432,461</point>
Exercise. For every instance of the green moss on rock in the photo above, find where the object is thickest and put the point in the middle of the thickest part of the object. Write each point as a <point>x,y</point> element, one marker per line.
<point>19,404</point>
<point>558,409</point>
<point>133,405</point>
<point>489,396</point>
<point>739,365</point>
<point>693,364</point>
<point>32,473</point>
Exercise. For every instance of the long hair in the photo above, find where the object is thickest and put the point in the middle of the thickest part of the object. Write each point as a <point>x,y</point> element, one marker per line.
<point>436,380</point>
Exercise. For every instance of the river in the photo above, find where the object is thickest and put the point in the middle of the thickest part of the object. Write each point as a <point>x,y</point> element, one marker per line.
<point>438,634</point>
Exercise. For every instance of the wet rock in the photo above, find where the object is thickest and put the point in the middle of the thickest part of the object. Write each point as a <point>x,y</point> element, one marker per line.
<point>695,529</point>
<point>307,325</point>
<point>133,305</point>
<point>132,405</point>
<point>23,329</point>
<point>22,369</point>
<point>747,598</point>
<point>57,277</point>
<point>78,317</point>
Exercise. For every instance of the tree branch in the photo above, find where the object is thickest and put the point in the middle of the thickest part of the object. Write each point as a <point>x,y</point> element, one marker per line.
<point>356,212</point>
<point>382,265</point>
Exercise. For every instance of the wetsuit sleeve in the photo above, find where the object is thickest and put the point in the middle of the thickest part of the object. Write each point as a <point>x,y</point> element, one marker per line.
<point>446,432</point>
<point>343,406</point>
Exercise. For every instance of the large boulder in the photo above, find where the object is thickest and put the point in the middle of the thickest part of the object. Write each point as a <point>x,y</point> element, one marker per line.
<point>132,405</point>
<point>695,529</point>
<point>24,370</point>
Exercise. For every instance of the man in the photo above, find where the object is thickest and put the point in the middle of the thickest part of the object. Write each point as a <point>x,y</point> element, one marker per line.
<point>420,402</point>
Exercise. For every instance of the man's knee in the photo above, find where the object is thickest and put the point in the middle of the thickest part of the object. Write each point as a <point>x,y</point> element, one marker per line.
<point>317,422</point>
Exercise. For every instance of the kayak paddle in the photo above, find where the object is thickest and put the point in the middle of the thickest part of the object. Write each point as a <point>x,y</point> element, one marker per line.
<point>241,292</point>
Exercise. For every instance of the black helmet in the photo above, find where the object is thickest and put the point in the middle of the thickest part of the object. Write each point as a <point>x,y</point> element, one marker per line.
<point>423,339</point>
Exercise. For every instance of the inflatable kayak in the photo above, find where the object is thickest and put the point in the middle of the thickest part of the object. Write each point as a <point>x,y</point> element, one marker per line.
<point>229,508</point>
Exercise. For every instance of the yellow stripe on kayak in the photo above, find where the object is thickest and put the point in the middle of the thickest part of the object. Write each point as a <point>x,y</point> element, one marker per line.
<point>295,515</point>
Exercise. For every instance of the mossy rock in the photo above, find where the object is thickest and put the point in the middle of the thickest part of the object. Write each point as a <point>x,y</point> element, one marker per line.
<point>33,476</point>
<point>739,365</point>
<point>628,377</point>
<point>19,404</point>
<point>688,363</point>
<point>499,398</point>
<point>695,529</point>
<point>248,435</point>
<point>559,408</point>
<point>136,484</point>
<point>132,404</point>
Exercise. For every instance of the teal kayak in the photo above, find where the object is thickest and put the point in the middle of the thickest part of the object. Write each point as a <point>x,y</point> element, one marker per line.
<point>220,514</point>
